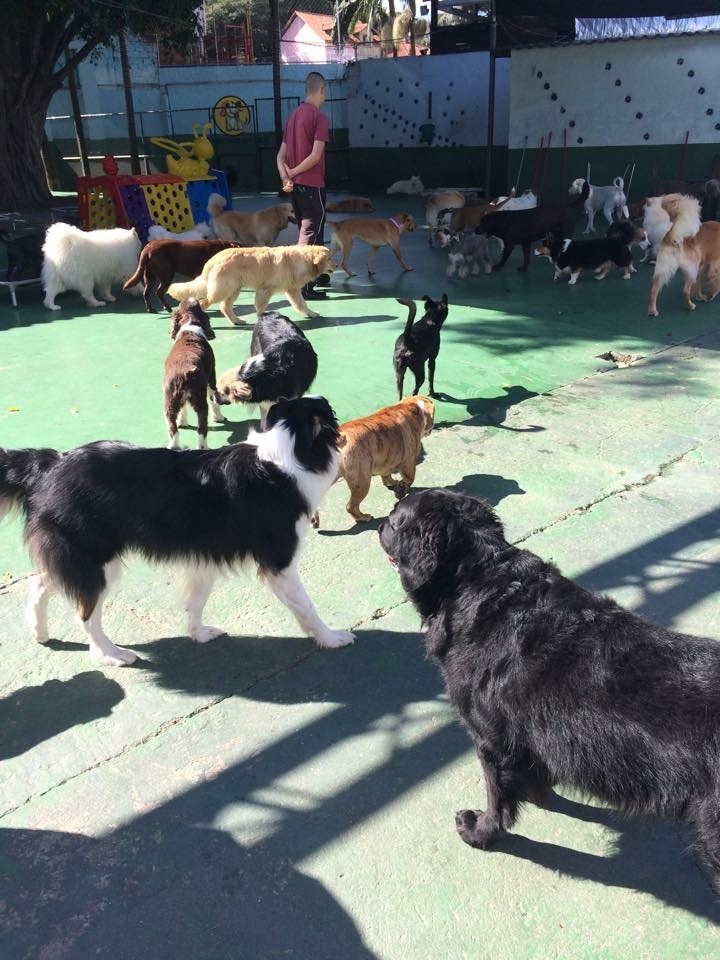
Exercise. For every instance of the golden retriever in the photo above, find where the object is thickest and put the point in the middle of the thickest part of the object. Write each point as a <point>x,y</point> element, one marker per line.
<point>350,205</point>
<point>259,229</point>
<point>378,233</point>
<point>266,270</point>
<point>385,442</point>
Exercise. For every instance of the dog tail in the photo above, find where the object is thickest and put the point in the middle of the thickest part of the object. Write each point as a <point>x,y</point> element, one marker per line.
<point>412,310</point>
<point>21,471</point>
<point>216,204</point>
<point>138,275</point>
<point>619,183</point>
<point>196,288</point>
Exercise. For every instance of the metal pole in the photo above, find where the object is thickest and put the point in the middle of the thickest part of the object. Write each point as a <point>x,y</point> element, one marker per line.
<point>491,99</point>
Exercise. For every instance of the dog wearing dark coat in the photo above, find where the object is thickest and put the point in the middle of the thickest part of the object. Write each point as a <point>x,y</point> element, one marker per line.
<point>190,373</point>
<point>525,226</point>
<point>282,363</point>
<point>419,342</point>
<point>554,684</point>
<point>205,511</point>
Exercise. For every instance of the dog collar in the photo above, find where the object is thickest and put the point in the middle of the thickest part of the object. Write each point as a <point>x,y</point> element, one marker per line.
<point>191,328</point>
<point>395,223</point>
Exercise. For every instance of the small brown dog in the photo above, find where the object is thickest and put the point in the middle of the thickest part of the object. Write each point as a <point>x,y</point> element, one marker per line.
<point>350,205</point>
<point>160,260</point>
<point>258,229</point>
<point>378,233</point>
<point>387,441</point>
<point>266,270</point>
<point>190,373</point>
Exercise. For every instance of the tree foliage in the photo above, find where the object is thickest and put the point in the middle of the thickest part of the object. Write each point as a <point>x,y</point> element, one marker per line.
<point>41,42</point>
<point>219,12</point>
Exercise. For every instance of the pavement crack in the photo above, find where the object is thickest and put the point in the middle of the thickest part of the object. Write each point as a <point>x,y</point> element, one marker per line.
<point>645,481</point>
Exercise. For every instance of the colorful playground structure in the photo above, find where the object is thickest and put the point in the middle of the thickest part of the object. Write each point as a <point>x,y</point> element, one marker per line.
<point>176,200</point>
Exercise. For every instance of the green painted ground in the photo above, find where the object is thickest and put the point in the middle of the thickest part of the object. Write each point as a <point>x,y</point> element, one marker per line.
<point>258,799</point>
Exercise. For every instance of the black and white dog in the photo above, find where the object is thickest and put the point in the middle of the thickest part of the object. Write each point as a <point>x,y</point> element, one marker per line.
<point>574,256</point>
<point>282,363</point>
<point>555,684</point>
<point>208,510</point>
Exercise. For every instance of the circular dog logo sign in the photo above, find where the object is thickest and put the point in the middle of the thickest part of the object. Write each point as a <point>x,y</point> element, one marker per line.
<point>231,115</point>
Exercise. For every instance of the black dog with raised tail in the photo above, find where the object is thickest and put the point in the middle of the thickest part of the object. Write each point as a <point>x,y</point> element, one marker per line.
<point>419,342</point>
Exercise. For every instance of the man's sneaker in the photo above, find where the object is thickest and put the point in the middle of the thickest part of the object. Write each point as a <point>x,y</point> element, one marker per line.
<point>323,280</point>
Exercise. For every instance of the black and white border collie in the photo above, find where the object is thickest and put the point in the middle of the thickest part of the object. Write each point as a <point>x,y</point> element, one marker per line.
<point>574,256</point>
<point>205,510</point>
<point>282,363</point>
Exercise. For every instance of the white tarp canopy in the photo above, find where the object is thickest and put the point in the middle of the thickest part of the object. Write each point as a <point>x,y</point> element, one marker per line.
<point>599,28</point>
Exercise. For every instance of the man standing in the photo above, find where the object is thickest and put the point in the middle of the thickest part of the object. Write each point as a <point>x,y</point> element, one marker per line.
<point>301,165</point>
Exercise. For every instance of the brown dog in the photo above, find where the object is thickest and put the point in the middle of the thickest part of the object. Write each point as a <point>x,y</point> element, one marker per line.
<point>160,260</point>
<point>378,233</point>
<point>697,257</point>
<point>350,205</point>
<point>387,441</point>
<point>258,229</point>
<point>190,373</point>
<point>266,270</point>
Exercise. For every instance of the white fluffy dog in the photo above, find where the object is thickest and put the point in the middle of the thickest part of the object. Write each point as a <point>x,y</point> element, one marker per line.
<point>608,199</point>
<point>413,185</point>
<point>201,231</point>
<point>87,260</point>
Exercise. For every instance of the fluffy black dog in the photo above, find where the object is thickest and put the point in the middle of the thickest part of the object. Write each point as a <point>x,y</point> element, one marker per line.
<point>419,342</point>
<point>555,684</point>
<point>282,363</point>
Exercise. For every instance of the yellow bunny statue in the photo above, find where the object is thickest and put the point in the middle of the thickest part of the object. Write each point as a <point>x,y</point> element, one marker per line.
<point>189,160</point>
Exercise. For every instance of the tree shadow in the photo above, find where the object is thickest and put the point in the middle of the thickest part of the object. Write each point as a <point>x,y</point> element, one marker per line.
<point>164,887</point>
<point>490,411</point>
<point>33,714</point>
<point>695,579</point>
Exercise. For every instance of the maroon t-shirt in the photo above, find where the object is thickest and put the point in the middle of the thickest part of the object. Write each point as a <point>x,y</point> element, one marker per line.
<point>305,125</point>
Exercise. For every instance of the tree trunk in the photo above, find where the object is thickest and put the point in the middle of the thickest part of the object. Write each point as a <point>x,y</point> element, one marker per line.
<point>391,13</point>
<point>23,182</point>
<point>129,105</point>
<point>411,4</point>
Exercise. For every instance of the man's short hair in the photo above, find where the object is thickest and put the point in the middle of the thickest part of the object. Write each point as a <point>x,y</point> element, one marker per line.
<point>313,82</point>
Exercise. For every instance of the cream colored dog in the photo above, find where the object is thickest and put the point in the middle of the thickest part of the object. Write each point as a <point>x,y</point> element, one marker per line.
<point>258,229</point>
<point>266,270</point>
<point>384,443</point>
<point>378,233</point>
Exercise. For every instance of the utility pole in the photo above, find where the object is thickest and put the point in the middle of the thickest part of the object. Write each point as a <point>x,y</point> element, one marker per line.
<point>491,98</point>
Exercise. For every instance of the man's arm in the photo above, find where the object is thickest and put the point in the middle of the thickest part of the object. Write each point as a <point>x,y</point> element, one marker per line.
<point>309,162</point>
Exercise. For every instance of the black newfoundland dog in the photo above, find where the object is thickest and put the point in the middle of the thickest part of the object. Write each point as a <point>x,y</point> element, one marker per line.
<point>555,684</point>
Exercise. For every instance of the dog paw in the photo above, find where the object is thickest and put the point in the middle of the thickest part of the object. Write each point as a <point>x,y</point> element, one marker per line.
<point>474,828</point>
<point>362,517</point>
<point>315,520</point>
<point>52,306</point>
<point>204,633</point>
<point>691,306</point>
<point>653,313</point>
<point>113,656</point>
<point>331,639</point>
<point>401,490</point>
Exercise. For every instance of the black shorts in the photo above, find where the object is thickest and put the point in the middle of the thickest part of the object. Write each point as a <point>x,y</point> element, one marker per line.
<point>309,208</point>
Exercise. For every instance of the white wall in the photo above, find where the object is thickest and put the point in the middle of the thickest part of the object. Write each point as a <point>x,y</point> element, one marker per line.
<point>591,82</point>
<point>389,100</point>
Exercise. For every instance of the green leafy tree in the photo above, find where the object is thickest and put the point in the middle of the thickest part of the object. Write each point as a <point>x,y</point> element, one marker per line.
<point>33,66</point>
<point>219,12</point>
